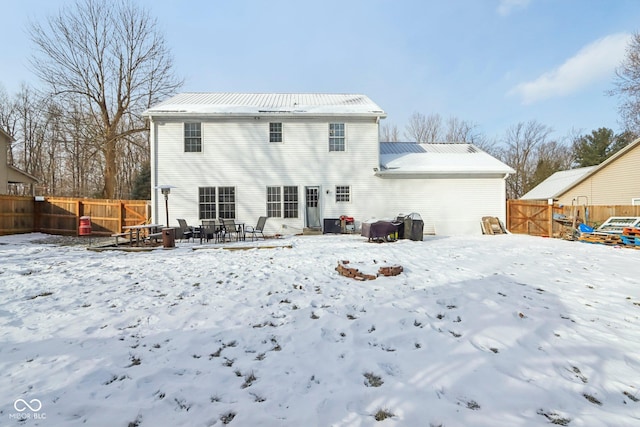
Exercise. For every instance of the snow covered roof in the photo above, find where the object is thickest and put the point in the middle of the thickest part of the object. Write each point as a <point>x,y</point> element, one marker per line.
<point>224,103</point>
<point>437,159</point>
<point>555,185</point>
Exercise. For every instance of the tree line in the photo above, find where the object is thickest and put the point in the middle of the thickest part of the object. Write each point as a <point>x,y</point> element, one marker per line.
<point>102,63</point>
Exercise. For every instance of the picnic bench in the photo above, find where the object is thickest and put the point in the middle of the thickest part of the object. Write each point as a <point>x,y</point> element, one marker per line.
<point>138,234</point>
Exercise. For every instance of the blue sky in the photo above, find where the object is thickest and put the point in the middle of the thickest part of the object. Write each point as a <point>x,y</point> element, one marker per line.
<point>492,62</point>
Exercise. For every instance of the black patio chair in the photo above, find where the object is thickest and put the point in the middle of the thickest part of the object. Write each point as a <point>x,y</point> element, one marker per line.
<point>211,229</point>
<point>257,230</point>
<point>184,231</point>
<point>230,231</point>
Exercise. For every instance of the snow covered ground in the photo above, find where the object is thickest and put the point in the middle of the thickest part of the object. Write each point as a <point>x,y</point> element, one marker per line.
<point>477,331</point>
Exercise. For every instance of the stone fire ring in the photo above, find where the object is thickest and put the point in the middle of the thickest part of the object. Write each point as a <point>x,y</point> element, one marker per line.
<point>345,270</point>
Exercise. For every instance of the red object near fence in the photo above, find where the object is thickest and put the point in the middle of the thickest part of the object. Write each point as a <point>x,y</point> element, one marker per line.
<point>85,226</point>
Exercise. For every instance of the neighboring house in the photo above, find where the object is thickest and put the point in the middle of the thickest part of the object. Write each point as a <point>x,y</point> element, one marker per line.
<point>616,181</point>
<point>303,158</point>
<point>555,184</point>
<point>10,174</point>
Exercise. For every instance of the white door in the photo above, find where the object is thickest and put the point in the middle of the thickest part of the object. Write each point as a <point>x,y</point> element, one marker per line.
<point>312,206</point>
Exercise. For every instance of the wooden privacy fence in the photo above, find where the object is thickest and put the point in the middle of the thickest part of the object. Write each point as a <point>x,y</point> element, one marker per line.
<point>17,214</point>
<point>536,217</point>
<point>61,215</point>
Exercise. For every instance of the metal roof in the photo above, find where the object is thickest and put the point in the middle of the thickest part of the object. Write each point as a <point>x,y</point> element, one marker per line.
<point>413,147</point>
<point>224,103</point>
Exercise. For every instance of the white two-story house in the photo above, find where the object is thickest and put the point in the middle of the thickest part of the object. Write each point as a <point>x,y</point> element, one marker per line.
<point>302,158</point>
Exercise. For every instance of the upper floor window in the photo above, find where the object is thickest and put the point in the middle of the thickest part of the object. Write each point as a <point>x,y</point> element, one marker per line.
<point>192,138</point>
<point>336,137</point>
<point>343,193</point>
<point>275,132</point>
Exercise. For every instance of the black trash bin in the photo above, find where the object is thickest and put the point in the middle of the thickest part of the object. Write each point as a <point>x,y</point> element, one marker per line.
<point>169,237</point>
<point>331,225</point>
<point>413,227</point>
<point>400,221</point>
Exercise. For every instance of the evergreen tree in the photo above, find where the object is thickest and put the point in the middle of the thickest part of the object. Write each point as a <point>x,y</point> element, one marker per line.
<point>593,149</point>
<point>142,184</point>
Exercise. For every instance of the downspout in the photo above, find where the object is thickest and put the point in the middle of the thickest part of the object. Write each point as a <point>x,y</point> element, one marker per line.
<point>154,169</point>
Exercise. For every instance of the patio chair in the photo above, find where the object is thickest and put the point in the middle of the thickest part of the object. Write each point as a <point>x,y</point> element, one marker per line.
<point>210,230</point>
<point>184,231</point>
<point>229,229</point>
<point>258,229</point>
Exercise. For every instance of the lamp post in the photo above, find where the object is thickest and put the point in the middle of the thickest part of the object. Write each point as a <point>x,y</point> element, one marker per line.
<point>166,189</point>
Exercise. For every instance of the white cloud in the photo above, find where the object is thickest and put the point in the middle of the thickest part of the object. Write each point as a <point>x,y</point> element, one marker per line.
<point>505,6</point>
<point>592,63</point>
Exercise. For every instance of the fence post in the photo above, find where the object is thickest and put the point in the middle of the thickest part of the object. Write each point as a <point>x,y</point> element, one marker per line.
<point>550,213</point>
<point>78,215</point>
<point>120,215</point>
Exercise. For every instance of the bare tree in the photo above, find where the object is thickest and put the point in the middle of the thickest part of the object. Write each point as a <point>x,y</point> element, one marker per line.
<point>550,157</point>
<point>627,85</point>
<point>460,131</point>
<point>424,129</point>
<point>109,56</point>
<point>389,133</point>
<point>521,143</point>
<point>430,129</point>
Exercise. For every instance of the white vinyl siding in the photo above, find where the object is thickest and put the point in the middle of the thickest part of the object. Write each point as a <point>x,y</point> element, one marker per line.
<point>235,154</point>
<point>450,206</point>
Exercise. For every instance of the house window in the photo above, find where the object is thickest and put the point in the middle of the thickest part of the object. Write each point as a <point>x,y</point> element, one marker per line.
<point>290,202</point>
<point>227,202</point>
<point>275,132</point>
<point>274,202</point>
<point>207,202</point>
<point>224,206</point>
<point>336,137</point>
<point>343,193</point>
<point>282,202</point>
<point>192,138</point>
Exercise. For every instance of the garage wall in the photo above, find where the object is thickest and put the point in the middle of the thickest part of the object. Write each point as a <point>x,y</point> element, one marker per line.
<point>448,206</point>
